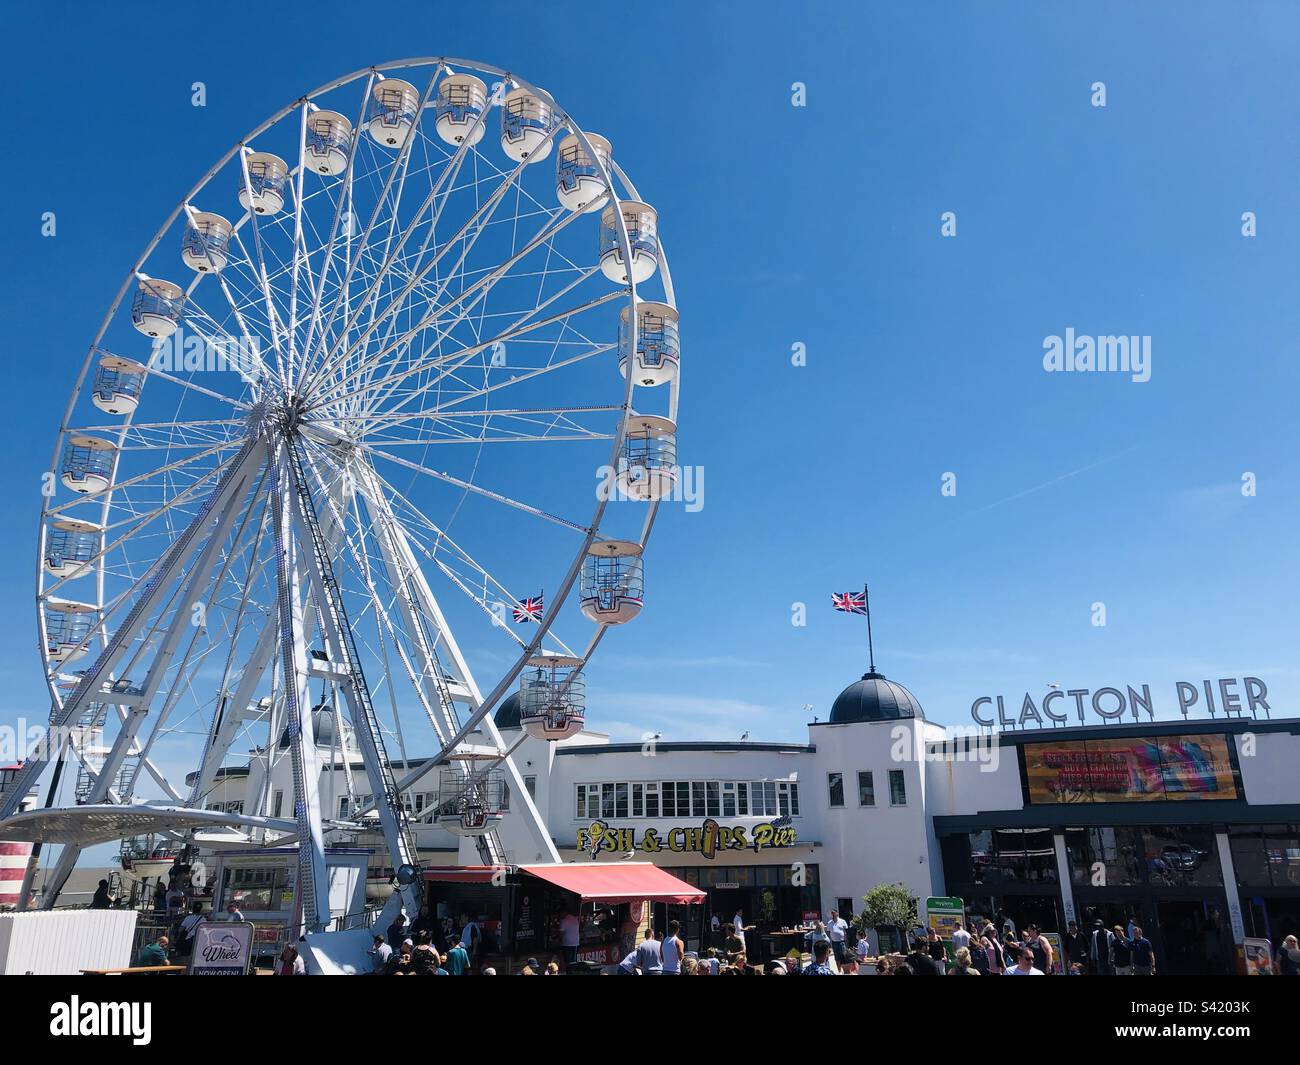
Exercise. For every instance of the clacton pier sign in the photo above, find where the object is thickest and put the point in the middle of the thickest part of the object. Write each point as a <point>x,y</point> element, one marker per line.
<point>1229,696</point>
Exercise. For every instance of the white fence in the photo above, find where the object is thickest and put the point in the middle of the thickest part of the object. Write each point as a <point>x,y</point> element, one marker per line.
<point>65,941</point>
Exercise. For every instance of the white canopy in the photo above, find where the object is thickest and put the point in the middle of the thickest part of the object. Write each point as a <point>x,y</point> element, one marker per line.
<point>85,826</point>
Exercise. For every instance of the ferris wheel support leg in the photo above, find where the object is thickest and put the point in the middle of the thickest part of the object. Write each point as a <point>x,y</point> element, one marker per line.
<point>312,901</point>
<point>392,819</point>
<point>404,571</point>
<point>150,598</point>
<point>193,585</point>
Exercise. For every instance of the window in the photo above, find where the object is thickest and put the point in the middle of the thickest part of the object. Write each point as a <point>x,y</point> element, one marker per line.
<point>866,789</point>
<point>697,798</point>
<point>729,800</point>
<point>669,799</point>
<point>769,798</point>
<point>530,783</point>
<point>277,803</point>
<point>505,795</point>
<point>713,803</point>
<point>742,800</point>
<point>787,795</point>
<point>638,800</point>
<point>652,799</point>
<point>835,782</point>
<point>620,800</point>
<point>607,801</point>
<point>897,788</point>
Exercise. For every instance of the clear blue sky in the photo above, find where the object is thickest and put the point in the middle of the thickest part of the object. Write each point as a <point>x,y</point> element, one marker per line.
<point>818,225</point>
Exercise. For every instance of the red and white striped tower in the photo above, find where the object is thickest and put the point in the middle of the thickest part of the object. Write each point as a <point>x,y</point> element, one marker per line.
<point>13,856</point>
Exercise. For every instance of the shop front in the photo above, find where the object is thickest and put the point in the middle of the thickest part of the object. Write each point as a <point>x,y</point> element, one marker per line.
<point>521,910</point>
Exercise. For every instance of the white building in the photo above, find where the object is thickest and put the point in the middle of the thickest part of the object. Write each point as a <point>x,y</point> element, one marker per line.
<point>1191,828</point>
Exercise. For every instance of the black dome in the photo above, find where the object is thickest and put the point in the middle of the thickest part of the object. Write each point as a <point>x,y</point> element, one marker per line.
<point>507,715</point>
<point>873,698</point>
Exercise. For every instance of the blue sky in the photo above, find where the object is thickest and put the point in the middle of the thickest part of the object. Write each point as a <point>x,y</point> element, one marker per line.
<point>817,225</point>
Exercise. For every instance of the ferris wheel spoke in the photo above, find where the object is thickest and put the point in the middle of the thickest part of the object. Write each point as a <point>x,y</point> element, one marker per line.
<point>398,167</point>
<point>479,290</point>
<point>418,275</point>
<point>443,540</point>
<point>498,497</point>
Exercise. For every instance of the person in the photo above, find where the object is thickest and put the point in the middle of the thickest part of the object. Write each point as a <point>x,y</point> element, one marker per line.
<point>424,922</point>
<point>400,963</point>
<point>458,961</point>
<point>739,922</point>
<point>1042,948</point>
<point>919,961</point>
<point>102,900</point>
<point>690,964</point>
<point>672,950</point>
<point>154,953</point>
<point>649,955</point>
<point>290,964</point>
<point>160,898</point>
<point>820,965</point>
<point>470,936</point>
<point>962,964</point>
<point>1144,958</point>
<point>397,931</point>
<point>934,946</point>
<point>901,969</point>
<point>627,967</point>
<point>1075,945</point>
<point>185,941</point>
<point>1121,953</point>
<point>570,934</point>
<point>732,944</point>
<point>424,959</point>
<point>489,971</point>
<point>862,950</point>
<point>710,962</point>
<point>775,967</point>
<point>960,937</point>
<point>379,953</point>
<point>837,928</point>
<point>1099,949</point>
<point>552,969</point>
<point>817,935</point>
<point>715,931</point>
<point>1288,957</point>
<point>1025,966</point>
<point>992,951</point>
<point>233,912</point>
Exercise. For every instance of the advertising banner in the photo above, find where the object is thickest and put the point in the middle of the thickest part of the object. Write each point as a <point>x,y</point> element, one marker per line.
<point>1166,768</point>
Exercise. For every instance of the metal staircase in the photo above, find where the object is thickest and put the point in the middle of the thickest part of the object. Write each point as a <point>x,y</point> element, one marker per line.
<point>331,601</point>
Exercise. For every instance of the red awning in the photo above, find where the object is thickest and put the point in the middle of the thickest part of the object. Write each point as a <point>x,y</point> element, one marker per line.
<point>460,874</point>
<point>624,882</point>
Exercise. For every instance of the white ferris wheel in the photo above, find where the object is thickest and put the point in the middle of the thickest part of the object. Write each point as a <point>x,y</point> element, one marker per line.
<point>405,358</point>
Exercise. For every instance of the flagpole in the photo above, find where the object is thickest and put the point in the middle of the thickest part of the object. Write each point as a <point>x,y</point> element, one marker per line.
<point>871,650</point>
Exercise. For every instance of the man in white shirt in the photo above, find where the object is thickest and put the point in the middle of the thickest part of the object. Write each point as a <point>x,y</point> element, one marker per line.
<point>1025,966</point>
<point>836,929</point>
<point>379,955</point>
<point>739,922</point>
<point>960,937</point>
<point>569,936</point>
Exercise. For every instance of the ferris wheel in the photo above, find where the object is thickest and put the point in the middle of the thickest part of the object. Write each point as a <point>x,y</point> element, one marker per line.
<point>400,369</point>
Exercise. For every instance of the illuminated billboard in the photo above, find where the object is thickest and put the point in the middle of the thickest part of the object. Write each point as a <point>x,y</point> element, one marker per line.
<point>1130,770</point>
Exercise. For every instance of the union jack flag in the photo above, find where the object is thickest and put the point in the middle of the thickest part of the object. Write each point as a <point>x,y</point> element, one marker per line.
<point>529,609</point>
<point>850,602</point>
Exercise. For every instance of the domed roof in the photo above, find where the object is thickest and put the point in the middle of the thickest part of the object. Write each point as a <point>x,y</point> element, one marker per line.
<point>873,698</point>
<point>507,714</point>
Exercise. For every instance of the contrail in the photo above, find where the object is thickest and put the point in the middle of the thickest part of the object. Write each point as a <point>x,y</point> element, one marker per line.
<point>1054,480</point>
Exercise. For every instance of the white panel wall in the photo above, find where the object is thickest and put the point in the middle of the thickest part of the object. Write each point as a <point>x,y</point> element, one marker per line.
<point>1268,773</point>
<point>60,942</point>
